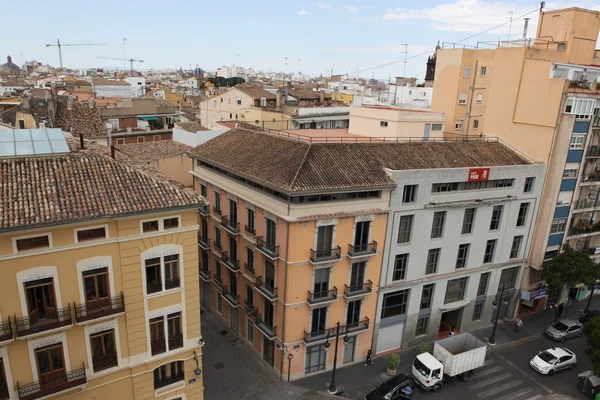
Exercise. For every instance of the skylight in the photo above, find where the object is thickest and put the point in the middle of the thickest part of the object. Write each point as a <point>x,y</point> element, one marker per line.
<point>30,142</point>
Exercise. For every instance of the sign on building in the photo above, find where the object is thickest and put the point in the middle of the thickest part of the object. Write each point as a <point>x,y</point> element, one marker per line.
<point>479,174</point>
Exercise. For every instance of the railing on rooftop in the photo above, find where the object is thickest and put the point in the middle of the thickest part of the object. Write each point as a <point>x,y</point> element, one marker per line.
<point>537,43</point>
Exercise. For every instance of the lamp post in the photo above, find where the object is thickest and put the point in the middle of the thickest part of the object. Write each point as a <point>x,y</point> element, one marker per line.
<point>332,389</point>
<point>492,339</point>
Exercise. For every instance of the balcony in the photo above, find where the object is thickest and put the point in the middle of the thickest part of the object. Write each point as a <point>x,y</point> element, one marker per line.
<point>203,241</point>
<point>105,362</point>
<point>217,210</point>
<point>230,226</point>
<point>38,390</point>
<point>99,309</point>
<point>358,290</point>
<point>169,381</point>
<point>231,298</point>
<point>203,210</point>
<point>315,336</point>
<point>175,342</point>
<point>582,84</point>
<point>250,309</point>
<point>204,274</point>
<point>593,151</point>
<point>53,319</point>
<point>322,297</point>
<point>357,326</point>
<point>360,250</point>
<point>6,332</point>
<point>266,328</point>
<point>250,230</point>
<point>249,268</point>
<point>592,177</point>
<point>269,250</point>
<point>158,346</point>
<point>325,255</point>
<point>266,290</point>
<point>581,204</point>
<point>218,280</point>
<point>583,227</point>
<point>217,245</point>
<point>233,265</point>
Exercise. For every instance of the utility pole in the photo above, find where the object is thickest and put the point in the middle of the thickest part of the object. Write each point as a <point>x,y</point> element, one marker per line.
<point>509,28</point>
<point>403,74</point>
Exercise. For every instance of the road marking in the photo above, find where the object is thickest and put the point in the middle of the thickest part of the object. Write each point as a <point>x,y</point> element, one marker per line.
<point>490,381</point>
<point>488,362</point>
<point>498,389</point>
<point>488,371</point>
<point>517,394</point>
<point>526,374</point>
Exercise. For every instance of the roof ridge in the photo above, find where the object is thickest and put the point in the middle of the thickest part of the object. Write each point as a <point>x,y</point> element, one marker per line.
<point>301,165</point>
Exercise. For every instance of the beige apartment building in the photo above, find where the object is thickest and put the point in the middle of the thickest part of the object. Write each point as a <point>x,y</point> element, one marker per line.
<point>394,122</point>
<point>99,279</point>
<point>538,95</point>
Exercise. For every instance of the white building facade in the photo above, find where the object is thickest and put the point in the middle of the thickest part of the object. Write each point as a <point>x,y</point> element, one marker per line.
<point>410,96</point>
<point>454,238</point>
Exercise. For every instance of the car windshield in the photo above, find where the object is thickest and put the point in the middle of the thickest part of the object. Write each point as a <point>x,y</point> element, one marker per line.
<point>421,367</point>
<point>560,326</point>
<point>547,357</point>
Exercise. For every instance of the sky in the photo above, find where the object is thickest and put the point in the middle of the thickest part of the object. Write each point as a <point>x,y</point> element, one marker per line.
<point>346,36</point>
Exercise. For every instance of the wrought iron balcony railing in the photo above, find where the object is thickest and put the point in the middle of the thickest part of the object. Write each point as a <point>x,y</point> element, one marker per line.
<point>175,342</point>
<point>233,265</point>
<point>323,255</point>
<point>266,289</point>
<point>6,331</point>
<point>40,389</point>
<point>358,289</point>
<point>203,210</point>
<point>250,268</point>
<point>356,250</point>
<point>204,273</point>
<point>216,210</point>
<point>249,307</point>
<point>52,319</point>
<point>229,225</point>
<point>593,151</point>
<point>203,240</point>
<point>99,308</point>
<point>158,346</point>
<point>268,249</point>
<point>217,245</point>
<point>231,298</point>
<point>250,230</point>
<point>323,296</point>
<point>266,327</point>
<point>316,335</point>
<point>104,362</point>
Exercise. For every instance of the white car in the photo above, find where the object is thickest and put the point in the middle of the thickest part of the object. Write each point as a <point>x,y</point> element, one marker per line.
<point>554,359</point>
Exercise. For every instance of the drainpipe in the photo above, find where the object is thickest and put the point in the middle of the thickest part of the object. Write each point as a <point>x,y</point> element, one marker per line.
<point>287,250</point>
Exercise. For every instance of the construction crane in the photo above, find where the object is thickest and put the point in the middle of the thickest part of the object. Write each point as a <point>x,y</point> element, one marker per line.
<point>131,61</point>
<point>59,45</point>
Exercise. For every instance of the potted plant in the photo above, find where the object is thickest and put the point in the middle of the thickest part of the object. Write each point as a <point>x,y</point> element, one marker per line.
<point>393,362</point>
<point>426,347</point>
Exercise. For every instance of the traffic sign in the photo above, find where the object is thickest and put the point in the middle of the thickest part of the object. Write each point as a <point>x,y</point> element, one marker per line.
<point>290,356</point>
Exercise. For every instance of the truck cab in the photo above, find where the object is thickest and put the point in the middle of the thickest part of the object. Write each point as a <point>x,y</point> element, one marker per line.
<point>427,372</point>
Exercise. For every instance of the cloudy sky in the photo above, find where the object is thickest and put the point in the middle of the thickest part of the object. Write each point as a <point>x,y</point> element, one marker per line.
<point>315,36</point>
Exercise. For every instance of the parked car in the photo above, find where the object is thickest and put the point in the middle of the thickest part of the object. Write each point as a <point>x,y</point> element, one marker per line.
<point>563,330</point>
<point>398,387</point>
<point>554,359</point>
<point>589,315</point>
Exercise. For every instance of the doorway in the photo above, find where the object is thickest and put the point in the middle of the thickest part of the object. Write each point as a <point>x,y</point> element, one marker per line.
<point>450,319</point>
<point>50,363</point>
<point>268,351</point>
<point>40,299</point>
<point>234,318</point>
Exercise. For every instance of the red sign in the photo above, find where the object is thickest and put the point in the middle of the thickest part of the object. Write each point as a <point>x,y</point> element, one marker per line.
<point>290,356</point>
<point>479,174</point>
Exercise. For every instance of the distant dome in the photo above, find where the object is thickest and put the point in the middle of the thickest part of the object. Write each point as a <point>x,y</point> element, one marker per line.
<point>198,71</point>
<point>10,65</point>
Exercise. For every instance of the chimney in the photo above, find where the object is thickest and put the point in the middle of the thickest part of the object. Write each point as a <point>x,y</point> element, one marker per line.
<point>112,151</point>
<point>525,28</point>
<point>81,143</point>
<point>278,101</point>
<point>70,103</point>
<point>321,97</point>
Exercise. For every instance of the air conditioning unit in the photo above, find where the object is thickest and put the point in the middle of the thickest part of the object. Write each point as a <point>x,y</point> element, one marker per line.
<point>263,101</point>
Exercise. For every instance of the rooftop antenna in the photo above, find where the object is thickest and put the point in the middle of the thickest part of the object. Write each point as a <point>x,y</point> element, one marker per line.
<point>403,73</point>
<point>525,28</point>
<point>124,56</point>
<point>509,27</point>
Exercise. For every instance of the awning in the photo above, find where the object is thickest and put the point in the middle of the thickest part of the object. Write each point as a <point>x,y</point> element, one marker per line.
<point>150,118</point>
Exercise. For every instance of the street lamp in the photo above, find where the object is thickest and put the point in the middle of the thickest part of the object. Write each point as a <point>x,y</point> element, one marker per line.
<point>492,339</point>
<point>332,389</point>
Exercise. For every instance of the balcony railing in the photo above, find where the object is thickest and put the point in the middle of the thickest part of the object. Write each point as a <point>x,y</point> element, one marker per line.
<point>229,225</point>
<point>204,274</point>
<point>4,395</point>
<point>99,308</point>
<point>168,381</point>
<point>218,279</point>
<point>592,250</point>
<point>359,289</point>
<point>217,245</point>
<point>231,298</point>
<point>317,335</point>
<point>593,151</point>
<point>153,287</point>
<point>40,389</point>
<point>6,331</point>
<point>270,250</point>
<point>584,227</point>
<point>105,362</point>
<point>233,265</point>
<point>249,307</point>
<point>266,328</point>
<point>580,204</point>
<point>250,230</point>
<point>267,291</point>
<point>250,268</point>
<point>322,255</point>
<point>582,84</point>
<point>158,346</point>
<point>203,210</point>
<point>323,296</point>
<point>357,326</point>
<point>592,177</point>
<point>203,241</point>
<point>52,320</point>
<point>356,250</point>
<point>172,283</point>
<point>216,210</point>
<point>175,342</point>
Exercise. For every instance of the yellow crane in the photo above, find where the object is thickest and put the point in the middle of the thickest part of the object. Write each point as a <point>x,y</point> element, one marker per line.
<point>59,45</point>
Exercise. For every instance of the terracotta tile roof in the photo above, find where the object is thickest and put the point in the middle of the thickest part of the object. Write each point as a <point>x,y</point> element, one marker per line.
<point>151,151</point>
<point>294,166</point>
<point>191,126</point>
<point>307,94</point>
<point>255,91</point>
<point>39,111</point>
<point>85,184</point>
<point>82,83</point>
<point>113,82</point>
<point>190,116</point>
<point>81,119</point>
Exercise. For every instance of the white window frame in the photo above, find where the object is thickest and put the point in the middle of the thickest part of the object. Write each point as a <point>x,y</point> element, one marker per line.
<point>462,99</point>
<point>475,124</point>
<point>95,263</point>
<point>577,141</point>
<point>90,330</point>
<point>161,224</point>
<point>483,71</point>
<point>50,242</point>
<point>479,98</point>
<point>87,228</point>
<point>34,344</point>
<point>238,101</point>
<point>582,108</point>
<point>466,72</point>
<point>161,252</point>
<point>570,173</point>
<point>459,124</point>
<point>558,222</point>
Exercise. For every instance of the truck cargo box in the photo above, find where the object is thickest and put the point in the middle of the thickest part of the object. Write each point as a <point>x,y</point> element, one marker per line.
<point>460,353</point>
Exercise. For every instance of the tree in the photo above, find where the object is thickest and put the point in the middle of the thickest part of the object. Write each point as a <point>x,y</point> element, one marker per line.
<point>591,331</point>
<point>235,81</point>
<point>570,267</point>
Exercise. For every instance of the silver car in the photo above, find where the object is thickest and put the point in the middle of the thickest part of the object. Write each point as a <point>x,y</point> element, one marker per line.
<point>563,330</point>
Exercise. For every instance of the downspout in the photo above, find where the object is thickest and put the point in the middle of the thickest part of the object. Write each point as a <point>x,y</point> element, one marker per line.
<point>287,250</point>
<point>519,90</point>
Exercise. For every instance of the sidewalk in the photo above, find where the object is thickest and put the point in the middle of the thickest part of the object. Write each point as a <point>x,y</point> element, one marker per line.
<point>357,380</point>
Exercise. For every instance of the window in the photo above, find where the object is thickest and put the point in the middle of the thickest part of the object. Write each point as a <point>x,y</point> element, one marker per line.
<point>466,72</point>
<point>478,310</point>
<point>321,285</point>
<point>157,336</point>
<point>433,258</point>
<point>522,217</point>
<point>463,255</point>
<point>422,323</point>
<point>361,236</point>
<point>238,101</point>
<point>468,221</point>
<point>496,218</point>
<point>140,139</point>
<point>353,315</point>
<point>405,228</point>
<point>459,124</point>
<point>410,194</point>
<point>483,284</point>
<point>558,225</point>
<point>577,141</point>
<point>217,206</point>
<point>570,173</point>
<point>455,290</point>
<point>120,141</point>
<point>561,46</point>
<point>3,385</point>
<point>250,259</point>
<point>324,241</point>
<point>218,243</point>
<point>462,99</point>
<point>91,234</point>
<point>171,271</point>
<point>150,226</point>
<point>271,232</point>
<point>219,296</point>
<point>460,186</point>
<point>37,242</point>
<point>437,228</point>
<point>528,187</point>
<point>95,283</point>
<point>508,278</point>
<point>395,304</point>
<point>483,71</point>
<point>168,374</point>
<point>174,331</point>
<point>203,191</point>
<point>40,298</point>
<point>436,127</point>
<point>490,247</point>
<point>171,223</point>
<point>582,108</point>
<point>479,98</point>
<point>400,265</point>
<point>21,124</point>
<point>50,362</point>
<point>383,124</point>
<point>516,246</point>
<point>156,138</point>
<point>319,318</point>
<point>154,275</point>
<point>475,124</point>
<point>427,296</point>
<point>103,349</point>
<point>357,276</point>
<point>315,358</point>
<point>250,331</point>
<point>250,221</point>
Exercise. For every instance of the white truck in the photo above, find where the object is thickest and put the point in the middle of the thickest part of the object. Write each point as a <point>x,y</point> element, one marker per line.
<point>453,356</point>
